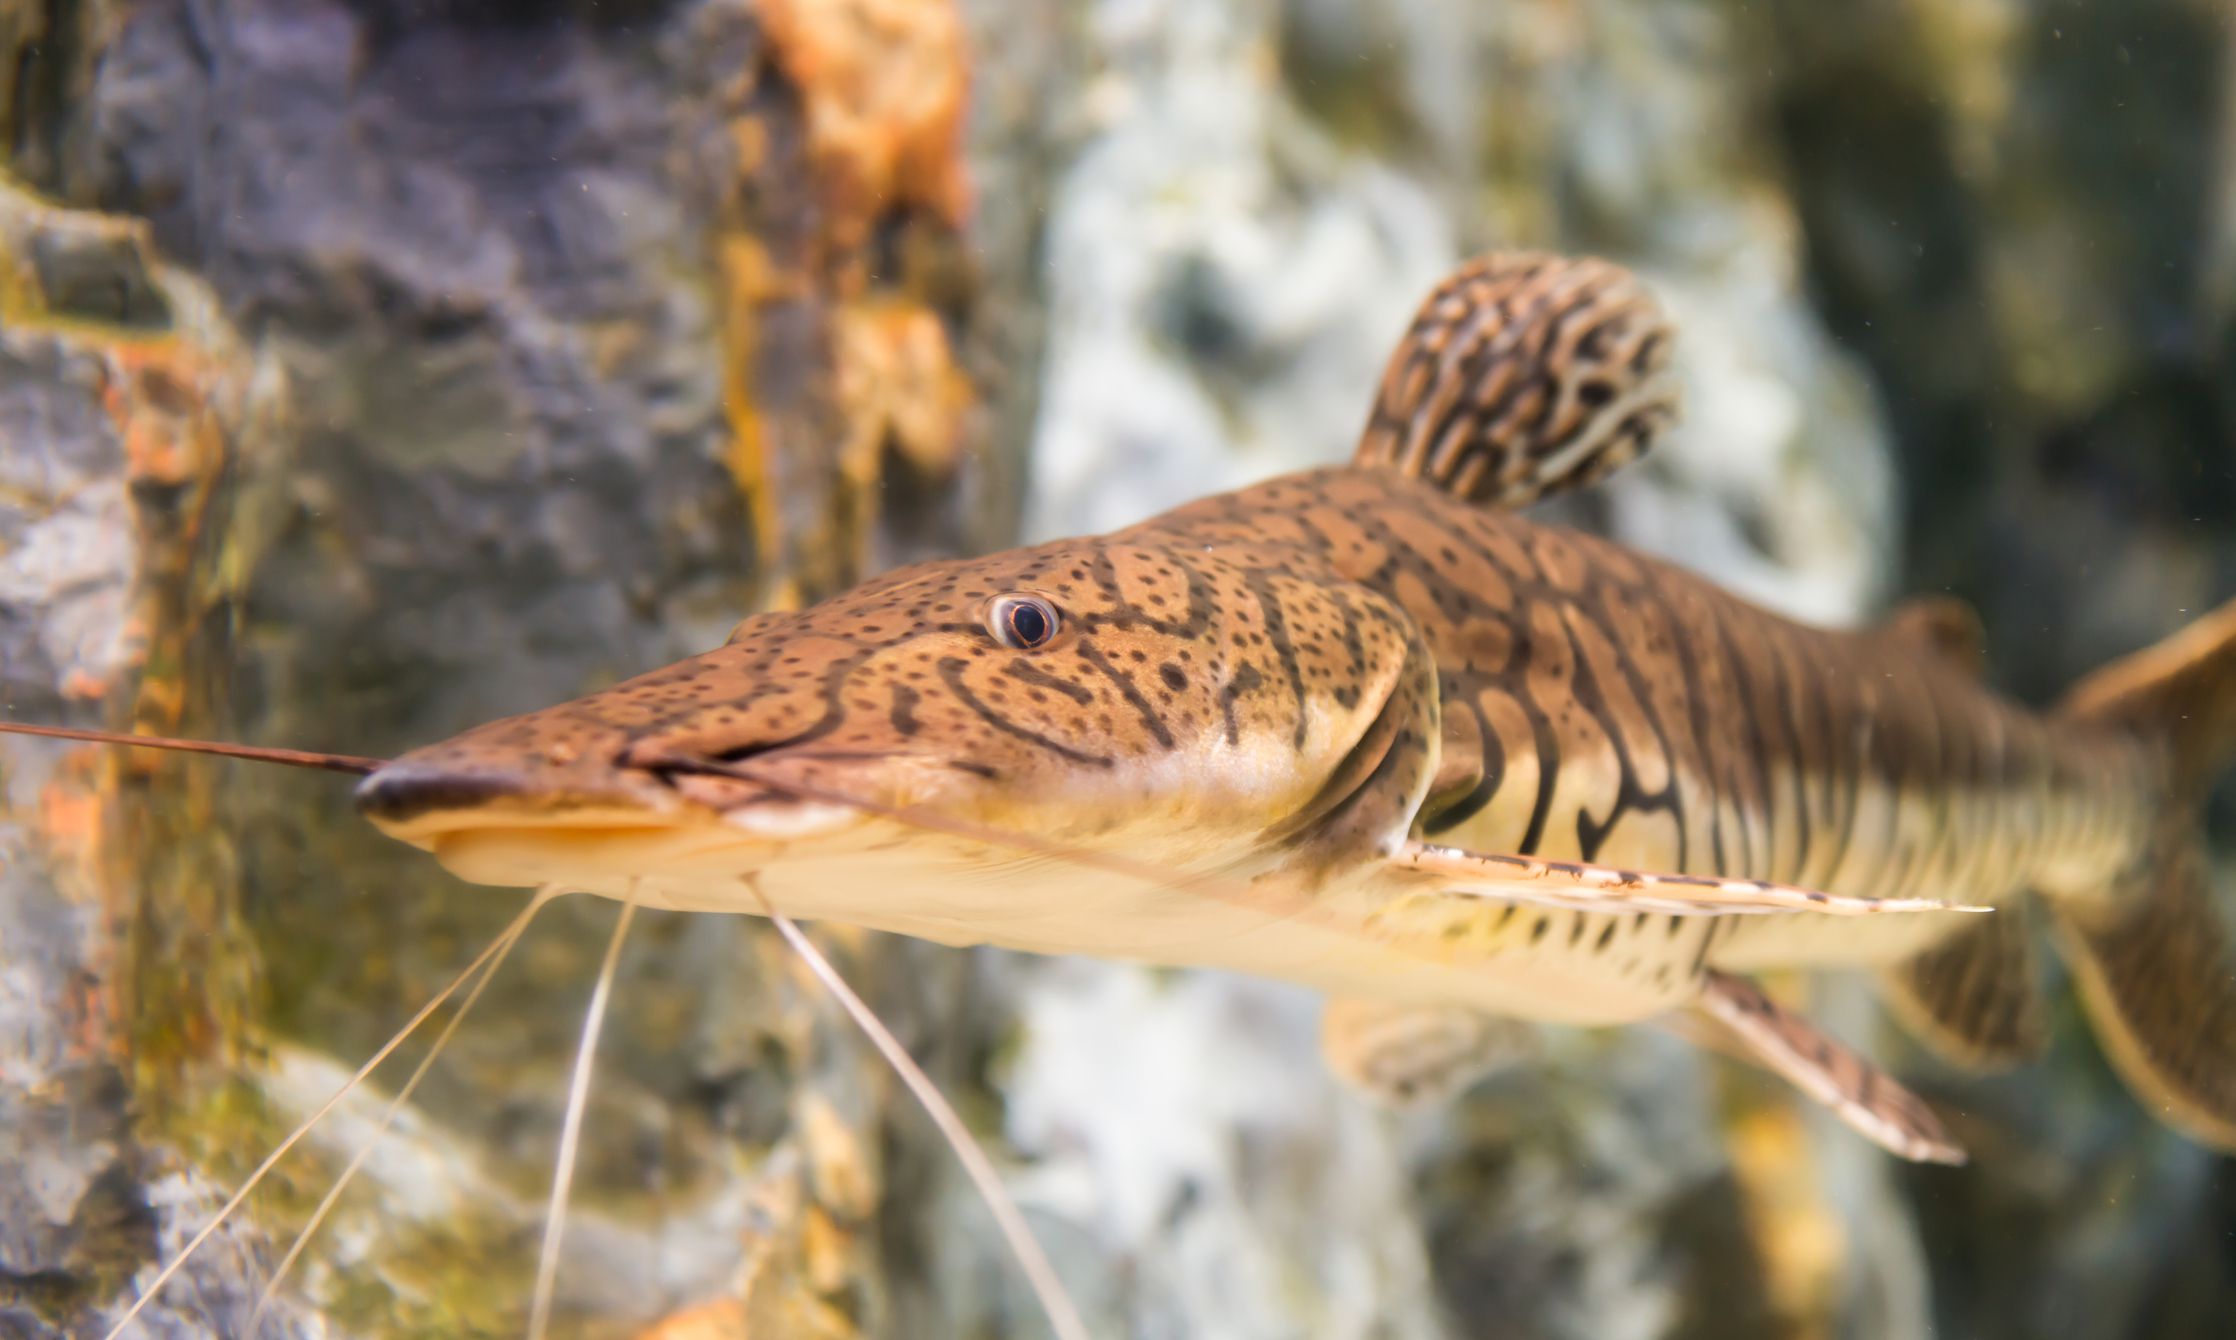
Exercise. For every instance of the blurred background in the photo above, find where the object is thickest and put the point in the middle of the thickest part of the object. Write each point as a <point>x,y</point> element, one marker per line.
<point>369,369</point>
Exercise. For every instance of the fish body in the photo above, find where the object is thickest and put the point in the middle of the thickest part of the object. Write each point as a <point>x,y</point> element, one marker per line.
<point>1369,729</point>
<point>1588,704</point>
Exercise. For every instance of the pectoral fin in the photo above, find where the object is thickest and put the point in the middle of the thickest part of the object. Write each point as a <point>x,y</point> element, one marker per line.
<point>1856,1090</point>
<point>1401,1054</point>
<point>1581,887</point>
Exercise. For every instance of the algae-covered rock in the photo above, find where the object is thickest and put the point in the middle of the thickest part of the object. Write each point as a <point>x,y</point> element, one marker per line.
<point>125,398</point>
<point>569,327</point>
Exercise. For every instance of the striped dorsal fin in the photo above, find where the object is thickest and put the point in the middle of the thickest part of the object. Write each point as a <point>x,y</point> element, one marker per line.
<point>1524,374</point>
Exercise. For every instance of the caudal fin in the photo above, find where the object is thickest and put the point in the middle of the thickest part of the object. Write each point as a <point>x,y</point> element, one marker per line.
<point>2160,986</point>
<point>2151,951</point>
<point>2179,694</point>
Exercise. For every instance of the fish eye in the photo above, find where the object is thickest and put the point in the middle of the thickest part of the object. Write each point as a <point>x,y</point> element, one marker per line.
<point>1022,623</point>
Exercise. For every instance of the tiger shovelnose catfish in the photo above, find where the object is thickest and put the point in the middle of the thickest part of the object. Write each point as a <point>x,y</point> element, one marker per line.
<point>1369,729</point>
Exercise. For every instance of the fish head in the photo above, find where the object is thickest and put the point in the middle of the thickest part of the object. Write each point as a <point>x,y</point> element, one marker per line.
<point>1172,704</point>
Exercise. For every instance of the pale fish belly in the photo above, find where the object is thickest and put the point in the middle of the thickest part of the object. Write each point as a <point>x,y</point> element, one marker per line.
<point>1527,962</point>
<point>1359,937</point>
<point>1767,944</point>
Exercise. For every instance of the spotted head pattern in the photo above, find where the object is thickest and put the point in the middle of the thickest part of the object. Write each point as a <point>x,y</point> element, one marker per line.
<point>1087,689</point>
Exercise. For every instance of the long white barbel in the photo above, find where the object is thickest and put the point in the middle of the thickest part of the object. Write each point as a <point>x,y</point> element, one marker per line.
<point>163,1276</point>
<point>570,1131</point>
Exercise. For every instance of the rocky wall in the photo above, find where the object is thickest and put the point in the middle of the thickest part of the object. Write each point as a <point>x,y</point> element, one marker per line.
<point>595,330</point>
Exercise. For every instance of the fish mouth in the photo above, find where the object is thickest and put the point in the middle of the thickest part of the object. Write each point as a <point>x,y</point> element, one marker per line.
<point>641,816</point>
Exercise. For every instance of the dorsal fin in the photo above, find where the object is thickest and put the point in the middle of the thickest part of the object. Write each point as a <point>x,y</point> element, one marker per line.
<point>1524,374</point>
<point>1944,625</point>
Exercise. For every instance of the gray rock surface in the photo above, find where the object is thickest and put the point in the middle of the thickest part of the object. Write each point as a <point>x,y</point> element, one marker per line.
<point>563,339</point>
<point>120,389</point>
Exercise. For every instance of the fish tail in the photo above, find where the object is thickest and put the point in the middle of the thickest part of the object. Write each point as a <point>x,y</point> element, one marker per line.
<point>2178,695</point>
<point>2149,948</point>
